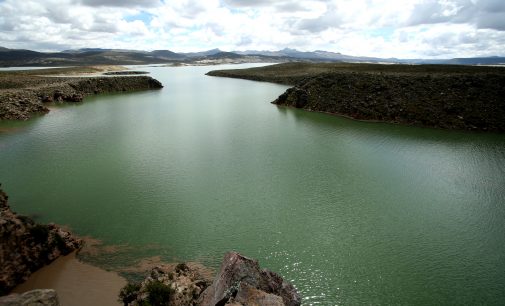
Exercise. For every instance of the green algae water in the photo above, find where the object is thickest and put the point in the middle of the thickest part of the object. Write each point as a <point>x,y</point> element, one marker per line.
<point>350,212</point>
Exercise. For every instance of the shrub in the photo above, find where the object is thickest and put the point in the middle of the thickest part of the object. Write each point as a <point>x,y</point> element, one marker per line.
<point>40,233</point>
<point>158,293</point>
<point>129,293</point>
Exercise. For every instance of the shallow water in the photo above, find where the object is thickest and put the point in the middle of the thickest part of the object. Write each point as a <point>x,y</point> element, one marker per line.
<point>76,283</point>
<point>350,212</point>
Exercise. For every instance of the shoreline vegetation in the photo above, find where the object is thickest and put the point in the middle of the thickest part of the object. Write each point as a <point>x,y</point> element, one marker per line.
<point>28,92</point>
<point>438,96</point>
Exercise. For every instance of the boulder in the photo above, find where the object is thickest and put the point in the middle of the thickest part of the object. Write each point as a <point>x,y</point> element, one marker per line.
<point>38,297</point>
<point>240,281</point>
<point>247,295</point>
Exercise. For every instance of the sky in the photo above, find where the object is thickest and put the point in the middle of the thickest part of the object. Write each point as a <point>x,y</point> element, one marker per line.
<point>378,28</point>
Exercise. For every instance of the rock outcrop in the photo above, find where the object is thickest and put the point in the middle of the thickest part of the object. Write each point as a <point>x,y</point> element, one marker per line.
<point>172,284</point>
<point>22,96</point>
<point>466,102</point>
<point>38,297</point>
<point>441,96</point>
<point>240,281</point>
<point>26,246</point>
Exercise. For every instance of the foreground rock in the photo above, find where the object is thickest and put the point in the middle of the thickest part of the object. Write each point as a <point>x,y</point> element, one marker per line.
<point>22,96</point>
<point>27,246</point>
<point>179,284</point>
<point>449,97</point>
<point>240,281</point>
<point>39,297</point>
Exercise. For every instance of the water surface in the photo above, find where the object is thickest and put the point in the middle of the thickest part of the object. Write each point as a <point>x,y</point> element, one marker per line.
<point>350,212</point>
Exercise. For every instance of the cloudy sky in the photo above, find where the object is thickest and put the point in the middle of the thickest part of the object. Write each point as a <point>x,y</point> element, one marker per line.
<point>382,28</point>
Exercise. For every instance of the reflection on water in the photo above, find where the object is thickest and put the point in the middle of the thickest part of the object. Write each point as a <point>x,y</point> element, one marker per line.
<point>350,212</point>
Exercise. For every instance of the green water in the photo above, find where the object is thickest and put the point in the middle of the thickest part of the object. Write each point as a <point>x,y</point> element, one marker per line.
<point>350,212</point>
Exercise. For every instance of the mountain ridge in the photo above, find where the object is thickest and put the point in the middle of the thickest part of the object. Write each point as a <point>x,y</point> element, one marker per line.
<point>95,56</point>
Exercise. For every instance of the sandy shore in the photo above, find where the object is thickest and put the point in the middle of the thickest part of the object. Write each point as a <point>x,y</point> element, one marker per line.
<point>76,283</point>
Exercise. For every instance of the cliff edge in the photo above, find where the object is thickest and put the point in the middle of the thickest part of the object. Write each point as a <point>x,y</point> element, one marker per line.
<point>27,246</point>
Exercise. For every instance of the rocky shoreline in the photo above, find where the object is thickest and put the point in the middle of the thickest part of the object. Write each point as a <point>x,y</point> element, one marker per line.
<point>239,282</point>
<point>23,95</point>
<point>27,246</point>
<point>449,97</point>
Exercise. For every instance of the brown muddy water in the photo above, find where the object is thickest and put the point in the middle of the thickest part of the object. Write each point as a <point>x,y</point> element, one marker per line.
<point>77,283</point>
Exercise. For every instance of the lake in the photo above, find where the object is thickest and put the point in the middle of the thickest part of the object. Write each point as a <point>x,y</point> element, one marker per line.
<point>350,212</point>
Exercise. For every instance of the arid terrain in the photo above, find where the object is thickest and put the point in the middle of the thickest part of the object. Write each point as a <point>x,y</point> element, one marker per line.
<point>441,96</point>
<point>25,93</point>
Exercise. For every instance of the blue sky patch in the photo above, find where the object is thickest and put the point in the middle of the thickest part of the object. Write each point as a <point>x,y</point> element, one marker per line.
<point>143,16</point>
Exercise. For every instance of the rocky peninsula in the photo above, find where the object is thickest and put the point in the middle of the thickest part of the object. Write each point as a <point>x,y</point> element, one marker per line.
<point>25,93</point>
<point>27,246</point>
<point>440,96</point>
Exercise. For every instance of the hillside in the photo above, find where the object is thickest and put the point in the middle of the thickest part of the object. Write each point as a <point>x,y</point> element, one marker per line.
<point>98,56</point>
<point>94,56</point>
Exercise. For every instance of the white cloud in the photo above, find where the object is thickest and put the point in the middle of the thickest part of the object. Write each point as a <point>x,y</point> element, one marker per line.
<point>121,3</point>
<point>416,28</point>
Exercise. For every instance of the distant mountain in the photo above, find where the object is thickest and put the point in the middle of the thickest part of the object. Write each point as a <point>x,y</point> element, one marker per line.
<point>230,55</point>
<point>493,60</point>
<point>20,55</point>
<point>203,53</point>
<point>87,56</point>
<point>318,55</point>
<point>87,50</point>
<point>166,54</point>
<point>95,56</point>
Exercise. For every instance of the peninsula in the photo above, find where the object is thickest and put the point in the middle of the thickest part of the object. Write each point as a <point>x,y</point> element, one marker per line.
<point>25,93</point>
<point>440,96</point>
